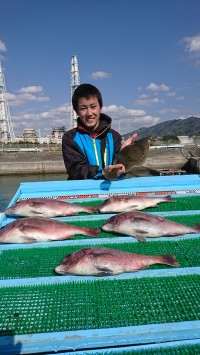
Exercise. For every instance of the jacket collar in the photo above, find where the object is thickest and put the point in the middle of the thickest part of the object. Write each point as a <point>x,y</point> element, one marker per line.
<point>100,131</point>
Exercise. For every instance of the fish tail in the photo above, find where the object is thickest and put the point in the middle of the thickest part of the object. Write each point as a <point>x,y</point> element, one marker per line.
<point>92,232</point>
<point>169,199</point>
<point>169,260</point>
<point>92,209</point>
<point>197,227</point>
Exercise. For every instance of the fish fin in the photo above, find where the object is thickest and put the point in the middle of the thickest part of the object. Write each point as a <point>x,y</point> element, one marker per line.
<point>100,253</point>
<point>140,237</point>
<point>37,213</point>
<point>93,232</point>
<point>197,227</point>
<point>130,208</point>
<point>63,237</point>
<point>141,218</point>
<point>104,271</point>
<point>29,228</point>
<point>29,240</point>
<point>170,260</point>
<point>168,198</point>
<point>36,203</point>
<point>92,209</point>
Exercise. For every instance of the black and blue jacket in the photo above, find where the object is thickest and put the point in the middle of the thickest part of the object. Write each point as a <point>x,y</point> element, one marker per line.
<point>86,153</point>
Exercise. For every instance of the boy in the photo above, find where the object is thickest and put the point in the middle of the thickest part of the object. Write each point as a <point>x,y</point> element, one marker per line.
<point>89,149</point>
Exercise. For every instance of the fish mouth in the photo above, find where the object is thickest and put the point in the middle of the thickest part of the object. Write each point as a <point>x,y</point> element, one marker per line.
<point>9,212</point>
<point>106,228</point>
<point>60,270</point>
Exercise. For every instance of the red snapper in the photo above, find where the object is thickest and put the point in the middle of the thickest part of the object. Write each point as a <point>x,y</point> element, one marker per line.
<point>126,203</point>
<point>142,225</point>
<point>33,229</point>
<point>100,261</point>
<point>46,207</point>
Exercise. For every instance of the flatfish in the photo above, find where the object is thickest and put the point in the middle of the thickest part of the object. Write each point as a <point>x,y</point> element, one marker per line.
<point>132,155</point>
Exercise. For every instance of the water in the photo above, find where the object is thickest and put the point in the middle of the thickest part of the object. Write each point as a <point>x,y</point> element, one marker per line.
<point>9,184</point>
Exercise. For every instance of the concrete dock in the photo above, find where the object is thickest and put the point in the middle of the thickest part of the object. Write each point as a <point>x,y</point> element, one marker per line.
<point>40,162</point>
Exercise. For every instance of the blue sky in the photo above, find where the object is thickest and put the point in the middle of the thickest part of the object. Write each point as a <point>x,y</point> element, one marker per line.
<point>143,55</point>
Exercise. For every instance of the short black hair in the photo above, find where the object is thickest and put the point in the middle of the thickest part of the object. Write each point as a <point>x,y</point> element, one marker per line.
<point>85,90</point>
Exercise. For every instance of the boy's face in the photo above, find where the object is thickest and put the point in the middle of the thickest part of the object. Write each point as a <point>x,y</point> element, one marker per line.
<point>89,112</point>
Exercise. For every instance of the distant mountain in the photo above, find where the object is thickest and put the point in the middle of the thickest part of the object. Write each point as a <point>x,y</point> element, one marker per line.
<point>186,127</point>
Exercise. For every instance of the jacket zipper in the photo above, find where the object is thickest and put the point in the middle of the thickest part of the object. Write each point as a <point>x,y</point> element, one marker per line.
<point>96,153</point>
<point>105,156</point>
<point>95,150</point>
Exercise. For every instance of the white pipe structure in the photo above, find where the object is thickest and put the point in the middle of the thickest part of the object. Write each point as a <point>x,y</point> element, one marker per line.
<point>75,81</point>
<point>6,129</point>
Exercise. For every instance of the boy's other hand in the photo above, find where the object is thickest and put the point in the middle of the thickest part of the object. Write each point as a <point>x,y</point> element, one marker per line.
<point>129,140</point>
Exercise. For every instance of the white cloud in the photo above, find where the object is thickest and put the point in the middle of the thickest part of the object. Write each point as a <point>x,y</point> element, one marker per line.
<point>31,89</point>
<point>2,47</point>
<point>55,113</point>
<point>168,110</point>
<point>121,111</point>
<point>26,95</point>
<point>192,44</point>
<point>100,75</point>
<point>171,94</point>
<point>126,120</point>
<point>2,57</point>
<point>192,48</point>
<point>145,100</point>
<point>156,87</point>
<point>180,98</point>
<point>22,99</point>
<point>125,125</point>
<point>55,117</point>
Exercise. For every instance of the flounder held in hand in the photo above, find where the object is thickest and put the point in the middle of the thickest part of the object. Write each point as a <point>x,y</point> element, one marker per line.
<point>46,207</point>
<point>142,225</point>
<point>105,262</point>
<point>126,203</point>
<point>131,156</point>
<point>134,153</point>
<point>33,229</point>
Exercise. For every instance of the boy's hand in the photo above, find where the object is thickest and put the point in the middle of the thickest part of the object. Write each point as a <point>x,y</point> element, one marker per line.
<point>112,172</point>
<point>128,141</point>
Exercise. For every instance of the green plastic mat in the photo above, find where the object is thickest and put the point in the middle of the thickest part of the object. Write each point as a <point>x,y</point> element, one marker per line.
<point>186,203</point>
<point>193,349</point>
<point>41,262</point>
<point>99,304</point>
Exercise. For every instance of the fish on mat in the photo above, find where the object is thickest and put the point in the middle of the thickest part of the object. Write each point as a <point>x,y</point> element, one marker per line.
<point>142,225</point>
<point>130,156</point>
<point>46,207</point>
<point>100,261</point>
<point>34,229</point>
<point>121,203</point>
